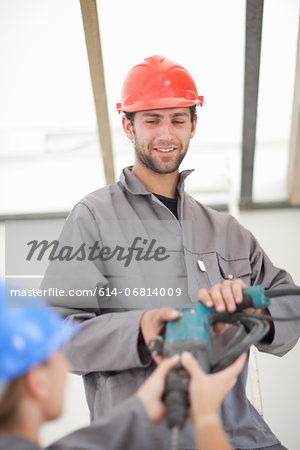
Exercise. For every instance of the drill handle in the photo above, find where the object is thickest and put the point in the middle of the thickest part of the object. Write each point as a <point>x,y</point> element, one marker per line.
<point>254,297</point>
<point>246,303</point>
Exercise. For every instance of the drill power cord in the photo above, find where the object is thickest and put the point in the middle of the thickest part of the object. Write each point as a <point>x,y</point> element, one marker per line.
<point>256,327</point>
<point>256,330</point>
<point>282,292</point>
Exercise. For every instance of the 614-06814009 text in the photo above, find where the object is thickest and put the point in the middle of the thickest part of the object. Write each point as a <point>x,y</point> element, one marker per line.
<point>141,292</point>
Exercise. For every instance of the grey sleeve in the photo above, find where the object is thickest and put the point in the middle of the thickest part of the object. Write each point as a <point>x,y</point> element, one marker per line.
<point>108,342</point>
<point>97,347</point>
<point>265,274</point>
<point>126,427</point>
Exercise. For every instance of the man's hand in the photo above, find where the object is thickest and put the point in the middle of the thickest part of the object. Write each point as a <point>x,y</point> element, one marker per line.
<point>226,296</point>
<point>153,322</point>
<point>223,296</point>
<point>207,391</point>
<point>150,393</point>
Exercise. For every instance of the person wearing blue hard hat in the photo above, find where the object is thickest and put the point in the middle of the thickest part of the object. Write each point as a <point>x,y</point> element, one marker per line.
<point>33,372</point>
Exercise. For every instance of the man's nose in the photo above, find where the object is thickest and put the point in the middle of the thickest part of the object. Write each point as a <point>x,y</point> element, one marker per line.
<point>166,132</point>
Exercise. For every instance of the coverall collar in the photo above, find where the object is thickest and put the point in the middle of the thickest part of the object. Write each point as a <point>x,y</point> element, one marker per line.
<point>136,187</point>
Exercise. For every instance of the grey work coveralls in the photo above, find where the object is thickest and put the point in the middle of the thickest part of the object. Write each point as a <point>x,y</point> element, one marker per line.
<point>204,247</point>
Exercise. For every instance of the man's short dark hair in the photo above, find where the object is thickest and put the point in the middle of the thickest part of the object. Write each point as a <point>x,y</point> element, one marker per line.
<point>130,115</point>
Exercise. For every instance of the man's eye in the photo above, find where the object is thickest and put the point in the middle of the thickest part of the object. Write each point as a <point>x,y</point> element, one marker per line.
<point>151,121</point>
<point>178,122</point>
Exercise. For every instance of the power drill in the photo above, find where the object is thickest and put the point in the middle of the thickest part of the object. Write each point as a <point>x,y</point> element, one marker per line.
<point>191,333</point>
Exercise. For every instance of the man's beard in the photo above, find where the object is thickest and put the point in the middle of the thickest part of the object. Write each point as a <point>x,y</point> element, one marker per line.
<point>157,166</point>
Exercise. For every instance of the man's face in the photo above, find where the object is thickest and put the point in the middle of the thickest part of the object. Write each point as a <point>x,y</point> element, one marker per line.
<point>161,137</point>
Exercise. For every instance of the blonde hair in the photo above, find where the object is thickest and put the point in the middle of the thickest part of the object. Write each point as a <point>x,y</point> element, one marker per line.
<point>9,403</point>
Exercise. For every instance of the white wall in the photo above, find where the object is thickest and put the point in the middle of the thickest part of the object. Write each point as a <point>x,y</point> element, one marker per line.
<point>278,232</point>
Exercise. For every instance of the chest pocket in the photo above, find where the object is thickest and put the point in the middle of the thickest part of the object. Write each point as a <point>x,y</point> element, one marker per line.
<point>215,269</point>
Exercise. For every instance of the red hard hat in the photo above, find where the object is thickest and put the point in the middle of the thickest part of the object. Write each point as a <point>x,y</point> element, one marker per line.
<point>158,83</point>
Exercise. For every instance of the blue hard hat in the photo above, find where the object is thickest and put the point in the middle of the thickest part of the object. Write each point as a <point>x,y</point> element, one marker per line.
<point>29,336</point>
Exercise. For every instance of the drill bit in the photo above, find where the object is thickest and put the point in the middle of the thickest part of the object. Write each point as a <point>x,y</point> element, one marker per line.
<point>174,438</point>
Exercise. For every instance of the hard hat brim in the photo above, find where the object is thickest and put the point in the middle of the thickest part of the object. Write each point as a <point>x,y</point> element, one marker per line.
<point>159,103</point>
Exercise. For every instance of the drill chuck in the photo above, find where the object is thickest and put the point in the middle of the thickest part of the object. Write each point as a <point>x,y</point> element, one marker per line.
<point>176,396</point>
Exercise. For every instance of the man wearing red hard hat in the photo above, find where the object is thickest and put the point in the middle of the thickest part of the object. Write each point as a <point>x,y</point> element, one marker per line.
<point>153,248</point>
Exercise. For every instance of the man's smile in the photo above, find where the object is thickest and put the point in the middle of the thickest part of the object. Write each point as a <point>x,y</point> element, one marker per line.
<point>164,149</point>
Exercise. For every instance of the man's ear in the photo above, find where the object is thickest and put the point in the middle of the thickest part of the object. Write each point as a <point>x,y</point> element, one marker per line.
<point>194,126</point>
<point>37,382</point>
<point>127,127</point>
